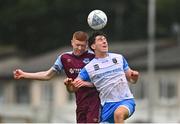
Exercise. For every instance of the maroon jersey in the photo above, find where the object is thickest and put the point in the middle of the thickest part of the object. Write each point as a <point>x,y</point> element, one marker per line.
<point>87,99</point>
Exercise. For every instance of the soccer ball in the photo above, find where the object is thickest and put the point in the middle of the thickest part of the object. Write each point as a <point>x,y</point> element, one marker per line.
<point>97,19</point>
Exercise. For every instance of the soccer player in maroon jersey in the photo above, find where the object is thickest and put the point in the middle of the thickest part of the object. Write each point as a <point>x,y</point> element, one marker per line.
<point>87,99</point>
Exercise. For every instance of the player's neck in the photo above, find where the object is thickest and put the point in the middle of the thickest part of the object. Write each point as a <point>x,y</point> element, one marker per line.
<point>101,55</point>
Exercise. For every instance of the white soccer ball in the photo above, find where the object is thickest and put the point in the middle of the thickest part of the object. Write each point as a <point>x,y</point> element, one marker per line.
<point>97,19</point>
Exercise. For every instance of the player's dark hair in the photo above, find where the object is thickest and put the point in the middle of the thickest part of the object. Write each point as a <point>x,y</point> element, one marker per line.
<point>93,36</point>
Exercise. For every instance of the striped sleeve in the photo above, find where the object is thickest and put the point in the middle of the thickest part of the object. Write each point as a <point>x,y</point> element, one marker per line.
<point>58,65</point>
<point>84,75</point>
<point>125,64</point>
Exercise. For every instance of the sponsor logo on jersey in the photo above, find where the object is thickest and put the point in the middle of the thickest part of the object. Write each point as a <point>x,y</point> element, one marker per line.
<point>74,70</point>
<point>96,67</point>
<point>114,60</point>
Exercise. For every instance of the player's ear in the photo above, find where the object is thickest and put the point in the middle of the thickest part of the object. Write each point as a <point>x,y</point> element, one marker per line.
<point>72,42</point>
<point>93,46</point>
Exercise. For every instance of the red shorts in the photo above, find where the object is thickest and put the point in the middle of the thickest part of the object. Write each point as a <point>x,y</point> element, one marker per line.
<point>88,109</point>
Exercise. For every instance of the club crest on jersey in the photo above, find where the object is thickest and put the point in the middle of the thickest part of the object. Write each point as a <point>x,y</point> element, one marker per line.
<point>68,60</point>
<point>96,67</point>
<point>114,60</point>
<point>86,60</point>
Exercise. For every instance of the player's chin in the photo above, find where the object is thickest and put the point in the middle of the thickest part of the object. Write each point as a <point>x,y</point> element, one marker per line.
<point>78,53</point>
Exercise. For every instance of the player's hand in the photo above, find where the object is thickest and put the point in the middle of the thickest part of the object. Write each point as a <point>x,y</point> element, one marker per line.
<point>69,85</point>
<point>68,81</point>
<point>18,73</point>
<point>134,76</point>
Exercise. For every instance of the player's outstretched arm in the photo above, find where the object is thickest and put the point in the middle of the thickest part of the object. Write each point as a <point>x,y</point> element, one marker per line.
<point>43,75</point>
<point>132,75</point>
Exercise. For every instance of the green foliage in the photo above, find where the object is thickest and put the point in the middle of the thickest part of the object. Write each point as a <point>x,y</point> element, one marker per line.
<point>36,26</point>
<point>168,13</point>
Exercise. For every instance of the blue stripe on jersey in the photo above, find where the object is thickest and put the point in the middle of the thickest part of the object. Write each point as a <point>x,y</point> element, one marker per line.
<point>84,75</point>
<point>58,64</point>
<point>125,64</point>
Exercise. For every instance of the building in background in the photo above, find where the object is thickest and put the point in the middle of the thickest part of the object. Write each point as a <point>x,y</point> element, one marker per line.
<point>48,101</point>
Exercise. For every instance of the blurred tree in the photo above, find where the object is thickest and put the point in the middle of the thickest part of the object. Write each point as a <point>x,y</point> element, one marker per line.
<point>36,26</point>
<point>168,13</point>
<point>128,19</point>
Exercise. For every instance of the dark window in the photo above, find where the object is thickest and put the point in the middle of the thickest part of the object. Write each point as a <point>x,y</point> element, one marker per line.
<point>47,93</point>
<point>2,87</point>
<point>22,92</point>
<point>168,89</point>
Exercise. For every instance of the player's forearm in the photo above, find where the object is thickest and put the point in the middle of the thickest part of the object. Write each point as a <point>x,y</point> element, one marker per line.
<point>36,76</point>
<point>80,83</point>
<point>88,84</point>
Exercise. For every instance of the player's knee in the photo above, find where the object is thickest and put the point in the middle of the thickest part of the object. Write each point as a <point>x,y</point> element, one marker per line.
<point>119,115</point>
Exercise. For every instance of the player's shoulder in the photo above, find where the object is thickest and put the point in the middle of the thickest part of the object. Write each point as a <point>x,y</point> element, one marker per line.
<point>87,55</point>
<point>89,52</point>
<point>69,53</point>
<point>115,55</point>
<point>89,67</point>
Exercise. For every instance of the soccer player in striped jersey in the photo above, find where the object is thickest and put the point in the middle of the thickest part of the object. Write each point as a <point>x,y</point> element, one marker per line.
<point>87,99</point>
<point>110,74</point>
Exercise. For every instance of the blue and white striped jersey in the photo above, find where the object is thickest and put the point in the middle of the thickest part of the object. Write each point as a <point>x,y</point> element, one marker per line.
<point>108,76</point>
